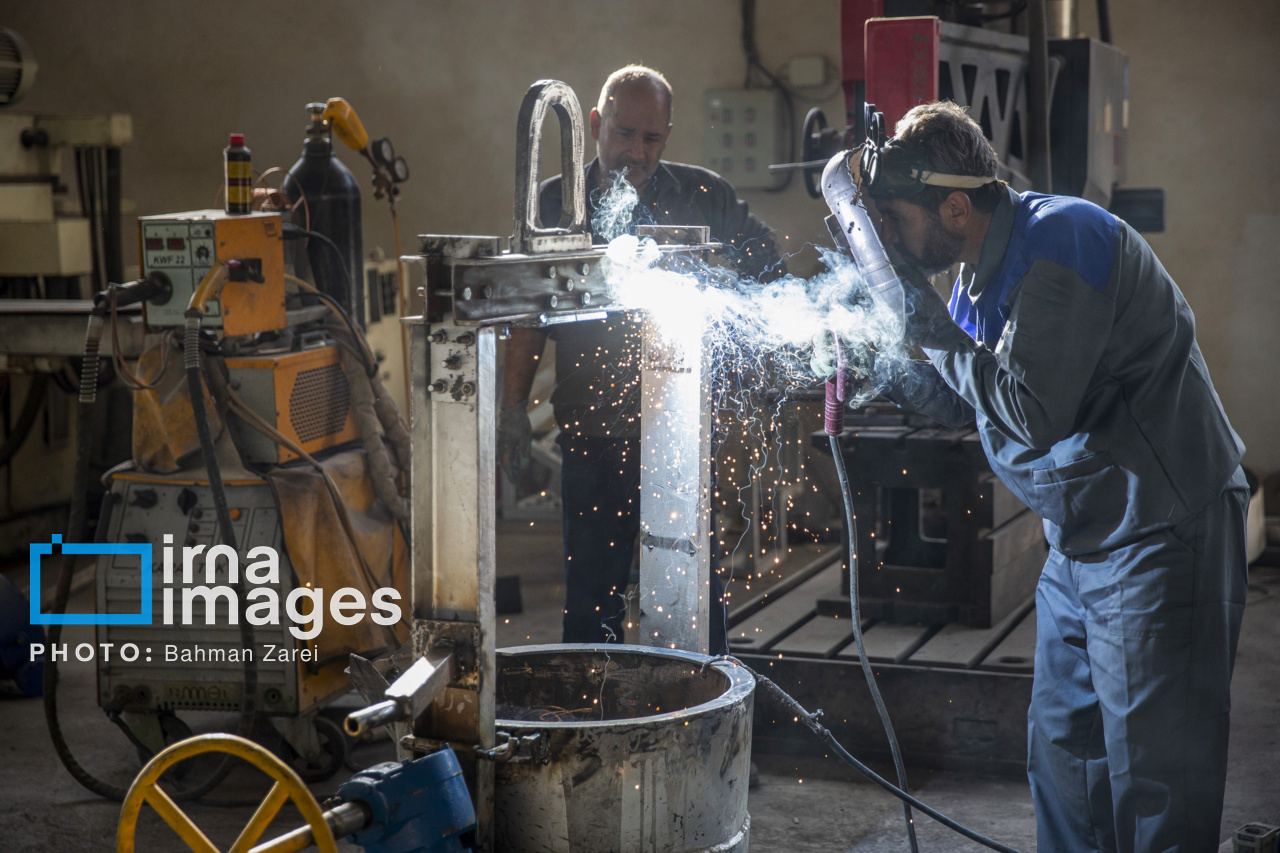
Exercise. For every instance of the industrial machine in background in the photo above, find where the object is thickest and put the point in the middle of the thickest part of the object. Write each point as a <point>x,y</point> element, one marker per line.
<point>1055,106</point>
<point>60,207</point>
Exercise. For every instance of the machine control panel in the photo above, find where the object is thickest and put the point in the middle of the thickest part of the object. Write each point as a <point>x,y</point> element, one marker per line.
<point>743,135</point>
<point>184,246</point>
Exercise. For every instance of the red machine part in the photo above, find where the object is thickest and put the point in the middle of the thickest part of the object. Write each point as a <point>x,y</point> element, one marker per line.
<point>854,15</point>
<point>901,56</point>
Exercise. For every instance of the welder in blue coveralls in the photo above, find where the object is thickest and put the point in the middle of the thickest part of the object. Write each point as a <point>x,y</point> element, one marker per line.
<point>1077,352</point>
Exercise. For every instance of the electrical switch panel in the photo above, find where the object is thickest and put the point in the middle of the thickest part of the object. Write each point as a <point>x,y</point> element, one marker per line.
<point>743,135</point>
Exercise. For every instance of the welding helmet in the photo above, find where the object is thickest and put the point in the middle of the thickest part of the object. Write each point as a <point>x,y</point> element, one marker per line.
<point>892,170</point>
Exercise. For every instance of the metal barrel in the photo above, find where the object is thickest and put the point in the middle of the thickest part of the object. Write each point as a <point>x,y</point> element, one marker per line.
<point>648,750</point>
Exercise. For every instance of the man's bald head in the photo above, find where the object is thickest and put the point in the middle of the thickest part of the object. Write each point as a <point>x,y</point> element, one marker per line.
<point>631,124</point>
<point>629,79</point>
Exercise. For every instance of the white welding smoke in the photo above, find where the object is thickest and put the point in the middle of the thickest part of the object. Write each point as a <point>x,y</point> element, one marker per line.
<point>777,335</point>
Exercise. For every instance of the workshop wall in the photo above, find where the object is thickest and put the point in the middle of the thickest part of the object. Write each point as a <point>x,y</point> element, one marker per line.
<point>1204,92</point>
<point>444,80</point>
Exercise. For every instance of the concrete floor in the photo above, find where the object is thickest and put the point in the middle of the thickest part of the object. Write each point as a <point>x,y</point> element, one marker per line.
<point>810,807</point>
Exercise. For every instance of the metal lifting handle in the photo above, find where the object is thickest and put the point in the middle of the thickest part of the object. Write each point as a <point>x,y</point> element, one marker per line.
<point>544,95</point>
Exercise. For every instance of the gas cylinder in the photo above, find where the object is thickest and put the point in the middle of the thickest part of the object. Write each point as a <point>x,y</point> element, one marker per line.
<point>332,208</point>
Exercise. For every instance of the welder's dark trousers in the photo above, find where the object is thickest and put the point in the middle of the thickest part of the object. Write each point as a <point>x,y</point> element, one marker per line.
<point>600,490</point>
<point>1127,732</point>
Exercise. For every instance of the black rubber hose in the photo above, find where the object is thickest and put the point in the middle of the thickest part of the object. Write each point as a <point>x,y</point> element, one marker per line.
<point>1104,22</point>
<point>76,528</point>
<point>855,611</point>
<point>26,419</point>
<point>195,388</point>
<point>294,232</point>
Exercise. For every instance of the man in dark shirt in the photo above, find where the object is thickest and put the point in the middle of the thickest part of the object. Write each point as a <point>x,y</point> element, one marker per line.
<point>597,392</point>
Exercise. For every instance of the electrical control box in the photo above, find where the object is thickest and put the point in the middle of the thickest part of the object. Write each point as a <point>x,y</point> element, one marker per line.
<point>744,134</point>
<point>184,246</point>
<point>304,395</point>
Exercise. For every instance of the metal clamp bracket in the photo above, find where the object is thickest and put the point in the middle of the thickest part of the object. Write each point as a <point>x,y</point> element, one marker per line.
<point>526,749</point>
<point>570,234</point>
<point>463,638</point>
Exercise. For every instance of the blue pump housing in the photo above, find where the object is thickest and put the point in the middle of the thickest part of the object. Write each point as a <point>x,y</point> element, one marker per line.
<point>419,806</point>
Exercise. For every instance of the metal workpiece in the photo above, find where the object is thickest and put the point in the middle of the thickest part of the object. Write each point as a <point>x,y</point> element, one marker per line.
<point>656,757</point>
<point>675,234</point>
<point>457,246</point>
<point>570,234</point>
<point>550,275</point>
<point>675,494</point>
<point>410,694</point>
<point>516,289</point>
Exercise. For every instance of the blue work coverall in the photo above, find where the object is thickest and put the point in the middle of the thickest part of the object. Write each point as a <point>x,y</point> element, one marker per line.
<point>1077,353</point>
<point>597,403</point>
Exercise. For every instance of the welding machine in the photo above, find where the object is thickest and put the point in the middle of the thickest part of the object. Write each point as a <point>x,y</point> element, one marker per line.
<point>274,362</point>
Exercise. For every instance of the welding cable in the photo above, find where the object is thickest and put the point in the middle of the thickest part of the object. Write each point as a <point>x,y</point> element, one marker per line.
<point>851,531</point>
<point>387,412</point>
<point>360,342</point>
<point>132,382</point>
<point>370,363</point>
<point>256,421</point>
<point>26,419</point>
<point>811,722</point>
<point>209,287</point>
<point>77,527</point>
<point>382,472</point>
<point>293,232</point>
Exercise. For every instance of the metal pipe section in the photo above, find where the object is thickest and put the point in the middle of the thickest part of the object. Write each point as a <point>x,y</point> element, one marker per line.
<point>842,195</point>
<point>1061,18</point>
<point>1038,97</point>
<point>344,819</point>
<point>409,695</point>
<point>379,714</point>
<point>1104,22</point>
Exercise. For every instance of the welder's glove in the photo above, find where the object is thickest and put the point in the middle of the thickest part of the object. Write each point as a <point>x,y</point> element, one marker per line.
<point>929,323</point>
<point>515,435</point>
